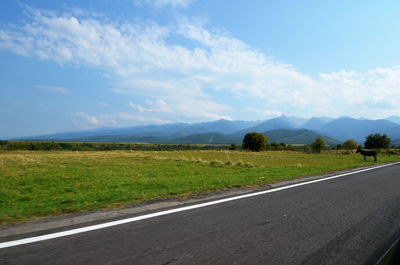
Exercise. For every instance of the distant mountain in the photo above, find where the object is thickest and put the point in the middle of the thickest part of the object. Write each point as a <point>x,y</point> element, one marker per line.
<point>282,122</point>
<point>326,119</point>
<point>205,138</point>
<point>135,130</point>
<point>348,128</point>
<point>314,124</point>
<point>68,135</point>
<point>288,136</point>
<point>121,139</point>
<point>301,136</point>
<point>394,136</point>
<point>219,126</point>
<point>396,142</point>
<point>281,129</point>
<point>167,131</point>
<point>395,119</point>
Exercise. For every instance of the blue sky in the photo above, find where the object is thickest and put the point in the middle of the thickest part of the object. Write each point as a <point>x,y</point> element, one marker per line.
<point>72,65</point>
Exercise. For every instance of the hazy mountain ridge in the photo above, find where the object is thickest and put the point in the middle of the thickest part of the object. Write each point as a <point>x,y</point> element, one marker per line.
<point>349,128</point>
<point>291,130</point>
<point>301,136</point>
<point>314,124</point>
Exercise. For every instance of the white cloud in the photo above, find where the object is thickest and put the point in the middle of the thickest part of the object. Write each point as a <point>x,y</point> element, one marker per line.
<point>91,120</point>
<point>189,109</point>
<point>104,104</point>
<point>361,94</point>
<point>56,89</point>
<point>180,81</point>
<point>165,3</point>
<point>266,113</point>
<point>138,107</point>
<point>87,121</point>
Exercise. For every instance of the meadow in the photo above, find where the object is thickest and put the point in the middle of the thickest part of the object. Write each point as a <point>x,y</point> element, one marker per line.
<point>36,184</point>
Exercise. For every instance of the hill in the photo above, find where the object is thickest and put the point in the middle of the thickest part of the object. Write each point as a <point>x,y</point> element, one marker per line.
<point>301,136</point>
<point>205,138</point>
<point>396,142</point>
<point>288,136</point>
<point>282,122</point>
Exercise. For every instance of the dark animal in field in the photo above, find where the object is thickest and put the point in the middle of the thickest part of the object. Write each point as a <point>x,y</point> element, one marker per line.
<point>366,153</point>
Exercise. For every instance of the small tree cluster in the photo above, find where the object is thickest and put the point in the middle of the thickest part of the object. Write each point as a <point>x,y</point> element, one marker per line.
<point>375,141</point>
<point>233,147</point>
<point>255,142</point>
<point>350,145</point>
<point>280,146</point>
<point>318,145</point>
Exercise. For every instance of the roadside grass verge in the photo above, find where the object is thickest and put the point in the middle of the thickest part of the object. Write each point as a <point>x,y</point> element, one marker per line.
<point>36,184</point>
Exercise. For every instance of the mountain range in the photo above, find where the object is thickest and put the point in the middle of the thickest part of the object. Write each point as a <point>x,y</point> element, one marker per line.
<point>289,130</point>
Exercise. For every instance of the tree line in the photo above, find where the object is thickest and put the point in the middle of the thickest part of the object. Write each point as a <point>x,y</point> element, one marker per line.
<point>68,146</point>
<point>252,141</point>
<point>258,142</point>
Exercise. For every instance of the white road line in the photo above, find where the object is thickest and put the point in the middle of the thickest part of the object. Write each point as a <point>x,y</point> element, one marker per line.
<point>181,209</point>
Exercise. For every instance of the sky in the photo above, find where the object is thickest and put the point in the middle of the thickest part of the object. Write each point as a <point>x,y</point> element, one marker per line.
<point>74,65</point>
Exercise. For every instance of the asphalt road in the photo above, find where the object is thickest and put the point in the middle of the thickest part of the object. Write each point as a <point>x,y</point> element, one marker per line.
<point>348,220</point>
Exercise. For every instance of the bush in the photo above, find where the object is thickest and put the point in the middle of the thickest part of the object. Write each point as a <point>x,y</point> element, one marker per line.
<point>318,145</point>
<point>375,141</point>
<point>350,144</point>
<point>254,141</point>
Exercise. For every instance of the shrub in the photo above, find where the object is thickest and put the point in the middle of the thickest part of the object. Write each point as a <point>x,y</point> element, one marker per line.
<point>254,141</point>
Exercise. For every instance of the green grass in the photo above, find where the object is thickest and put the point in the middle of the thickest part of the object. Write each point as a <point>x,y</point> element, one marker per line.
<point>35,184</point>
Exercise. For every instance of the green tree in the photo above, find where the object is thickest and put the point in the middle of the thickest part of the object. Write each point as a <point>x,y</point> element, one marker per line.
<point>318,145</point>
<point>350,144</point>
<point>377,141</point>
<point>282,146</point>
<point>273,146</point>
<point>233,147</point>
<point>255,141</point>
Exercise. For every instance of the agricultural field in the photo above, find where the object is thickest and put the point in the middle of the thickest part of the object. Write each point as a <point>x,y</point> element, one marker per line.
<point>36,184</point>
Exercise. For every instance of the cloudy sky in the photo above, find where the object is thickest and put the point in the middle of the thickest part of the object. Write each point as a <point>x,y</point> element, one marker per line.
<point>72,65</point>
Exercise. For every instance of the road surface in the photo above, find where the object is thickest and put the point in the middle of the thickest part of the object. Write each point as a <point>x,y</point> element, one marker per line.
<point>348,220</point>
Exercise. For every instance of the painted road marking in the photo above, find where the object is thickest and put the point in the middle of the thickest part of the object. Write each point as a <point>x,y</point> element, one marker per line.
<point>166,212</point>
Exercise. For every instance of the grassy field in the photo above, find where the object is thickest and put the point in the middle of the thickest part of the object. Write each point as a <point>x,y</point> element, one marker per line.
<point>35,184</point>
